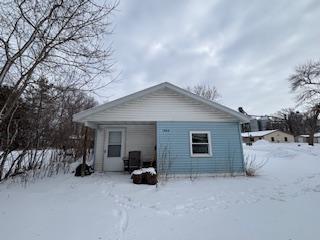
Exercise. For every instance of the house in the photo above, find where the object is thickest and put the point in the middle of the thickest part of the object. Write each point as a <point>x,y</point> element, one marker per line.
<point>302,138</point>
<point>305,138</point>
<point>276,136</point>
<point>182,132</point>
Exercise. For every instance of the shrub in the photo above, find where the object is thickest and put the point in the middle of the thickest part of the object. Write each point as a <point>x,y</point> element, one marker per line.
<point>252,165</point>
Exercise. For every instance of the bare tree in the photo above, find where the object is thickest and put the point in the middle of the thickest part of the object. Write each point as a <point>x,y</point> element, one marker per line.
<point>42,124</point>
<point>293,121</point>
<point>51,54</point>
<point>311,122</point>
<point>52,38</point>
<point>206,91</point>
<point>306,82</point>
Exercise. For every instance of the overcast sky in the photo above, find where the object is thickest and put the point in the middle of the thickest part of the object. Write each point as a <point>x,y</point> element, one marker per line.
<point>247,49</point>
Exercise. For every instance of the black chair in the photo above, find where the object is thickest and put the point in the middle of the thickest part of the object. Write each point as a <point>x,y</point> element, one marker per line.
<point>134,160</point>
<point>126,164</point>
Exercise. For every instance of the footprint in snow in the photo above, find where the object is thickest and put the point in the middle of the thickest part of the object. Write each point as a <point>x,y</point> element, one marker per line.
<point>123,215</point>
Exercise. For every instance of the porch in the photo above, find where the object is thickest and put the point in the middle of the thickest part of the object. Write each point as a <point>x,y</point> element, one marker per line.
<point>116,142</point>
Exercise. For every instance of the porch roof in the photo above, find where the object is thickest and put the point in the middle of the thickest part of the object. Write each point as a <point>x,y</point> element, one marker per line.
<point>116,123</point>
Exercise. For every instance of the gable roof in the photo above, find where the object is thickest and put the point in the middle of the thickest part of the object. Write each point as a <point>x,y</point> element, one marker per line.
<point>79,117</point>
<point>258,133</point>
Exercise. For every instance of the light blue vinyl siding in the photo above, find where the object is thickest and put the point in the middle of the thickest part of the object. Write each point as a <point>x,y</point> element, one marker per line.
<point>173,148</point>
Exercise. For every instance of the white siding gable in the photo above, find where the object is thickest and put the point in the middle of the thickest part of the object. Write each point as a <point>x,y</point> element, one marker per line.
<point>162,105</point>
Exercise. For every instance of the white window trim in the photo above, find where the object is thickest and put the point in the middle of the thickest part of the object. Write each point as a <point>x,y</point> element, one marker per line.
<point>209,143</point>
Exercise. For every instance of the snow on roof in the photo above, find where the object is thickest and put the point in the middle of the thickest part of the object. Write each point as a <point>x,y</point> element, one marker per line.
<point>304,135</point>
<point>257,134</point>
<point>315,135</point>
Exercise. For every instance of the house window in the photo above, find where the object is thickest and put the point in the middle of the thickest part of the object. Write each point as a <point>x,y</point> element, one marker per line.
<point>272,139</point>
<point>200,144</point>
<point>285,139</point>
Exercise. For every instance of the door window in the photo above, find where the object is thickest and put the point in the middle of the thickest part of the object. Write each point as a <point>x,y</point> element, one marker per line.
<point>114,144</point>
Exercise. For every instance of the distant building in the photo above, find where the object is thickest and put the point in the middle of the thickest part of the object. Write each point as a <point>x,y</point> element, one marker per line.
<point>261,123</point>
<point>253,125</point>
<point>305,138</point>
<point>275,136</point>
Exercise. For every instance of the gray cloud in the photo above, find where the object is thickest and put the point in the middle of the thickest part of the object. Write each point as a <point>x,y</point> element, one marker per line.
<point>246,49</point>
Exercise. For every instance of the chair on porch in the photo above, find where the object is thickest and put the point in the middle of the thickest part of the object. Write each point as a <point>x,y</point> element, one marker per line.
<point>133,162</point>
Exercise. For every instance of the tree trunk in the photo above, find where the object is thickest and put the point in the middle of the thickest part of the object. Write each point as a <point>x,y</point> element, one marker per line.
<point>84,156</point>
<point>311,138</point>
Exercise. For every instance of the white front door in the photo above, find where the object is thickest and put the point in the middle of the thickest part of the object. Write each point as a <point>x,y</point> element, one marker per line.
<point>114,149</point>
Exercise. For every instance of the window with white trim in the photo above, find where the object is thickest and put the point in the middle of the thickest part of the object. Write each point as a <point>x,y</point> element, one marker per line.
<point>200,144</point>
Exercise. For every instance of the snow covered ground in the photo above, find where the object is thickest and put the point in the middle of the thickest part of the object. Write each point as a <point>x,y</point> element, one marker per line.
<point>282,203</point>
